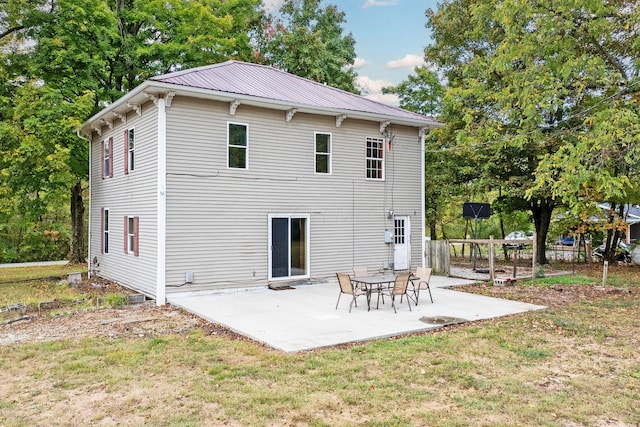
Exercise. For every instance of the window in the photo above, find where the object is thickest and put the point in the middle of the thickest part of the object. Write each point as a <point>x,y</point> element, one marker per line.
<point>107,153</point>
<point>323,152</point>
<point>105,231</point>
<point>129,150</point>
<point>237,140</point>
<point>131,235</point>
<point>375,158</point>
<point>398,227</point>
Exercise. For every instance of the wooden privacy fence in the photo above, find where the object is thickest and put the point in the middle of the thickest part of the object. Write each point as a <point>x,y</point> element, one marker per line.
<point>436,256</point>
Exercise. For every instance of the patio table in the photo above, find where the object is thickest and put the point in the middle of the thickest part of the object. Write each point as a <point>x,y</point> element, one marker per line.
<point>374,284</point>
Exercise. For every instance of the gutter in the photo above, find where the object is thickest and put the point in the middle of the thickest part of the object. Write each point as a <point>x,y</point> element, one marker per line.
<point>150,86</point>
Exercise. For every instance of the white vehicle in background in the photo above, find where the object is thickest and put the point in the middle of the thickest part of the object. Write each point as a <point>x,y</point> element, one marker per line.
<point>518,235</point>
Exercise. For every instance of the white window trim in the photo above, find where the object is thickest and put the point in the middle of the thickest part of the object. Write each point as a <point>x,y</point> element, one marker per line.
<point>329,154</point>
<point>106,244</point>
<point>106,168</point>
<point>246,147</point>
<point>131,168</point>
<point>384,158</point>
<point>130,235</point>
<point>307,245</point>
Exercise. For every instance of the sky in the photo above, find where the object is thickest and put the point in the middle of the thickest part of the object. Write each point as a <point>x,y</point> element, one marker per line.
<point>390,39</point>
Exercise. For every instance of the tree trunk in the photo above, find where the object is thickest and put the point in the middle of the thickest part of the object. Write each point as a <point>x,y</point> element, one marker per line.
<point>77,225</point>
<point>433,223</point>
<point>614,235</point>
<point>541,210</point>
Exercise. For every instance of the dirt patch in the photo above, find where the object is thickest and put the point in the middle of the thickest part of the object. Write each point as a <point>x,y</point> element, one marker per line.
<point>139,321</point>
<point>559,295</point>
<point>135,320</point>
<point>552,296</point>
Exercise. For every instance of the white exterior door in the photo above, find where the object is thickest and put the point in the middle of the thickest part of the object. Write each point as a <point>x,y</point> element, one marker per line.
<point>401,243</point>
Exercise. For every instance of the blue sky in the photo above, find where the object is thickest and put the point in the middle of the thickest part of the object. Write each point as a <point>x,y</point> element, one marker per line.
<point>390,39</point>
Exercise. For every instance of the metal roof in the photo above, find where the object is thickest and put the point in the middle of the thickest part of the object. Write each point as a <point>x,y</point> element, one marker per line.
<point>242,78</point>
<point>631,212</point>
<point>263,86</point>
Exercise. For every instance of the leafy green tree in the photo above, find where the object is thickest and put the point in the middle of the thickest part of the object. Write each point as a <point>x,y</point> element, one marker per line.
<point>533,87</point>
<point>40,157</point>
<point>308,41</point>
<point>74,50</point>
<point>421,93</point>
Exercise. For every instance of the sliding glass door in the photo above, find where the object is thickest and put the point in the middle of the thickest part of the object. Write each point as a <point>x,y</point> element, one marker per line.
<point>289,246</point>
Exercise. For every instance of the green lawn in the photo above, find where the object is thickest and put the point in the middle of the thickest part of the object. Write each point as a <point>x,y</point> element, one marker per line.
<point>574,365</point>
<point>15,274</point>
<point>31,285</point>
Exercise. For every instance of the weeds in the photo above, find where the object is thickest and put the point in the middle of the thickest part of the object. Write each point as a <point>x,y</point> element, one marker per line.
<point>31,286</point>
<point>113,300</point>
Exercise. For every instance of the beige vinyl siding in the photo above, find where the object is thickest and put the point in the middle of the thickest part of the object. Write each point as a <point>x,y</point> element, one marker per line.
<point>217,218</point>
<point>127,195</point>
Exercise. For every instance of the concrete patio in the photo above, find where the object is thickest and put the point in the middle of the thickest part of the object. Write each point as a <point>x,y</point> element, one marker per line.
<point>305,317</point>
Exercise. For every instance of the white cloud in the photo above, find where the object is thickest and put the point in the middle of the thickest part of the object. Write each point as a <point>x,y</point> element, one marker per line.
<point>372,89</point>
<point>271,5</point>
<point>409,61</point>
<point>370,3</point>
<point>359,63</point>
<point>388,98</point>
<point>373,86</point>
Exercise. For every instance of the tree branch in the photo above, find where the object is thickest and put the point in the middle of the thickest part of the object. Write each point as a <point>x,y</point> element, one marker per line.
<point>11,30</point>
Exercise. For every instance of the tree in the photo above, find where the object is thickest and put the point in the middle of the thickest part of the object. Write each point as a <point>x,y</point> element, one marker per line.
<point>39,159</point>
<point>530,84</point>
<point>308,41</point>
<point>101,49</point>
<point>421,92</point>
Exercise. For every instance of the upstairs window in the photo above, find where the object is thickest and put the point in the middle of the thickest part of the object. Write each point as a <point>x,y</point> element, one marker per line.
<point>238,144</point>
<point>129,150</point>
<point>107,160</point>
<point>323,152</point>
<point>374,158</point>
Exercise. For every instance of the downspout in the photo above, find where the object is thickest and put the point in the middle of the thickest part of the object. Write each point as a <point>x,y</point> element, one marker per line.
<point>90,199</point>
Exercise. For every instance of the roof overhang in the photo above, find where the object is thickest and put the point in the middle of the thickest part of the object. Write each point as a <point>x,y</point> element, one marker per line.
<point>629,217</point>
<point>151,89</point>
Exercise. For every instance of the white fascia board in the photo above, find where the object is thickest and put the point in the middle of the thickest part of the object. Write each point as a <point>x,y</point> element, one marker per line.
<point>117,105</point>
<point>136,96</point>
<point>284,105</point>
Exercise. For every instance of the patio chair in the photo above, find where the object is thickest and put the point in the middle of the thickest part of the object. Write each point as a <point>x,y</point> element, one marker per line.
<point>347,287</point>
<point>360,271</point>
<point>399,288</point>
<point>423,276</point>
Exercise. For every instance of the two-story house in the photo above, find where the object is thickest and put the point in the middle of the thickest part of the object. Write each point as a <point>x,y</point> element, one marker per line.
<point>238,175</point>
